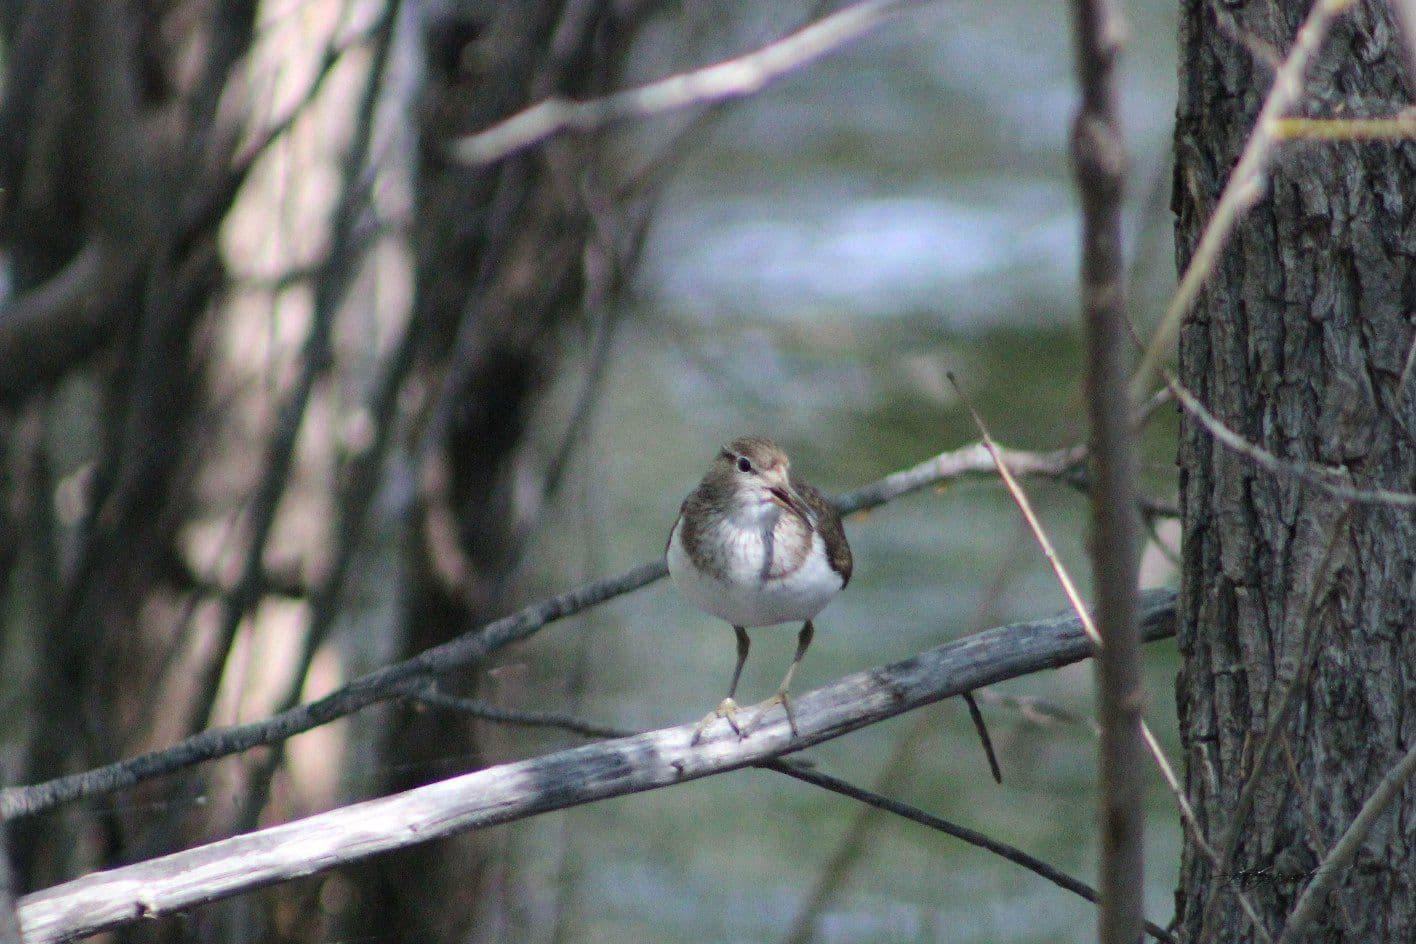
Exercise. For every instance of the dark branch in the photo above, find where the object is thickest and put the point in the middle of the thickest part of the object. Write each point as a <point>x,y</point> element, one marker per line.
<point>1099,156</point>
<point>410,676</point>
<point>971,836</point>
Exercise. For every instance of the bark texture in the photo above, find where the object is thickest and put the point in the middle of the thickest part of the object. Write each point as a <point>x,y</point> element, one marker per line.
<point>1299,343</point>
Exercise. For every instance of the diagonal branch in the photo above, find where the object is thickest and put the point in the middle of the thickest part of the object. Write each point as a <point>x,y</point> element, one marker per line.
<point>410,676</point>
<point>1246,181</point>
<point>803,770</point>
<point>732,78</point>
<point>1345,851</point>
<point>971,836</point>
<point>556,781</point>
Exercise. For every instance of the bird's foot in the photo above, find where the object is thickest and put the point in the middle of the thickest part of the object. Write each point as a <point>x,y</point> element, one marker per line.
<point>781,698</point>
<point>728,710</point>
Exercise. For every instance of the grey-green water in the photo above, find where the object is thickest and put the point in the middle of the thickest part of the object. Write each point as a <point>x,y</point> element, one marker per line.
<point>823,257</point>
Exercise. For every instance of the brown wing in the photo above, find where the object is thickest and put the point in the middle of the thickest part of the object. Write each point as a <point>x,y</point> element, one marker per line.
<point>828,522</point>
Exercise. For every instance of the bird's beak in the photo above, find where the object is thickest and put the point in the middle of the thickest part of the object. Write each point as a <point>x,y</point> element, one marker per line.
<point>783,494</point>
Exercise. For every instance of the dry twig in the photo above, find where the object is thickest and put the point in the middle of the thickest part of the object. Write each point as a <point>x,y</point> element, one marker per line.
<point>1246,181</point>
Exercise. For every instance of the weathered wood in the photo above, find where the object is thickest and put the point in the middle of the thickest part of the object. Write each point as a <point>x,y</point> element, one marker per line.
<point>567,778</point>
<point>1300,343</point>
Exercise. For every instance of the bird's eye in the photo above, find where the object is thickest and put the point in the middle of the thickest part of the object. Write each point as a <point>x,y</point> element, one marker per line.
<point>744,464</point>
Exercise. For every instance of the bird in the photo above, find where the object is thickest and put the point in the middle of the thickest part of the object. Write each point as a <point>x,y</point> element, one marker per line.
<point>756,547</point>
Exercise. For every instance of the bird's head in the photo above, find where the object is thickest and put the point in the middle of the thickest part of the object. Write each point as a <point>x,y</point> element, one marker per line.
<point>758,473</point>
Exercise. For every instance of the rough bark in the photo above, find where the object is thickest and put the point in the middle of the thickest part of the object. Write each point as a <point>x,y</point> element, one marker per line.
<point>1299,343</point>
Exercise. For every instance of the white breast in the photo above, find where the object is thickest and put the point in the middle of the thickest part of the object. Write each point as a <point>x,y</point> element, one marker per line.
<point>741,596</point>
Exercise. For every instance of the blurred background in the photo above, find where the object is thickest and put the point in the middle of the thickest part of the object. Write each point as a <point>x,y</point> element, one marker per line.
<point>324,399</point>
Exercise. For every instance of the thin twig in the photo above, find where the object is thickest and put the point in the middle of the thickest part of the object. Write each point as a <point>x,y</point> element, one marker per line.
<point>1070,590</point>
<point>1330,479</point>
<point>557,781</point>
<point>1020,498</point>
<point>1347,847</point>
<point>732,78</point>
<point>478,708</point>
<point>1100,161</point>
<point>403,678</point>
<point>970,836</point>
<point>1398,127</point>
<point>1246,181</point>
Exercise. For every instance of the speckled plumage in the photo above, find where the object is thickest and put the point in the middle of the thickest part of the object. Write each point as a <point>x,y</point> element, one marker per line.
<point>756,547</point>
<point>739,554</point>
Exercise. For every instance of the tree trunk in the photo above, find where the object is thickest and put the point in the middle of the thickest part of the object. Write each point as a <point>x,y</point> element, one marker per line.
<point>1299,343</point>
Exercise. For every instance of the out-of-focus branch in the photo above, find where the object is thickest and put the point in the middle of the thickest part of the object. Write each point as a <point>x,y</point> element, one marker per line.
<point>1099,159</point>
<point>9,918</point>
<point>732,78</point>
<point>564,779</point>
<point>1396,127</point>
<point>55,325</point>
<point>407,677</point>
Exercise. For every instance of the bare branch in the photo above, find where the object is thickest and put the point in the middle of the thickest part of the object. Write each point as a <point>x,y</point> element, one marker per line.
<point>1342,854</point>
<point>564,779</point>
<point>1246,181</point>
<point>732,78</point>
<point>801,770</point>
<point>56,324</point>
<point>407,677</point>
<point>1099,157</point>
<point>1398,127</point>
<point>970,836</point>
<point>1334,481</point>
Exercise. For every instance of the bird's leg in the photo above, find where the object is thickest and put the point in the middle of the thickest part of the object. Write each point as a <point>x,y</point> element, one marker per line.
<point>782,697</point>
<point>728,708</point>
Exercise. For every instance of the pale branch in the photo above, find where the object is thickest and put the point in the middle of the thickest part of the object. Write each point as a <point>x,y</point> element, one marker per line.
<point>1343,853</point>
<point>1100,163</point>
<point>971,836</point>
<point>733,78</point>
<point>1335,481</point>
<point>409,676</point>
<point>1246,180</point>
<point>556,781</point>
<point>802,770</point>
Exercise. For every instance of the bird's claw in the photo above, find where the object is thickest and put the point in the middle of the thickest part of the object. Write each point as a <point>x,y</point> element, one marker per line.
<point>728,710</point>
<point>781,698</point>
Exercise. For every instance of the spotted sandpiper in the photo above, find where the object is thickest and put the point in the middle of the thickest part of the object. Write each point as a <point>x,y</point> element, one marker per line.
<point>756,547</point>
